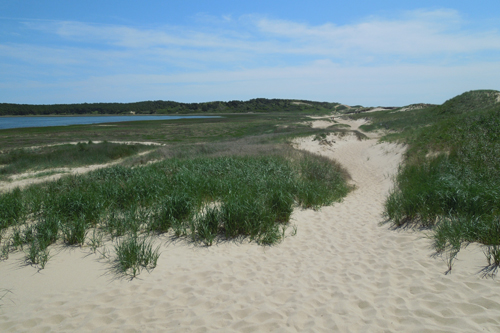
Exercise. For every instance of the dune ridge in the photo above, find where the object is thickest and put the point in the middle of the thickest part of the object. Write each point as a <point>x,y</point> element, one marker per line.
<point>342,272</point>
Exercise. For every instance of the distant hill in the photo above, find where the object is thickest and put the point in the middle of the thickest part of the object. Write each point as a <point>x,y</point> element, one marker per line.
<point>472,100</point>
<point>411,117</point>
<point>257,105</point>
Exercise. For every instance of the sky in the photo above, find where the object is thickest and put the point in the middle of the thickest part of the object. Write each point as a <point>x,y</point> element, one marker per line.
<point>371,53</point>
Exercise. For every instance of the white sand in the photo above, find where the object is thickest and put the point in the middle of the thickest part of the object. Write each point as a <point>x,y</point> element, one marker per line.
<point>322,124</point>
<point>146,143</point>
<point>342,272</point>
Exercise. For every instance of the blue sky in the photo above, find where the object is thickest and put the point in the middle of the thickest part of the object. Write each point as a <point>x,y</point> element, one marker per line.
<point>358,52</point>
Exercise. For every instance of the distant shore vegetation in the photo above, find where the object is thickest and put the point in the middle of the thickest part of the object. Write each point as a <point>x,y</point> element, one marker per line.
<point>258,105</point>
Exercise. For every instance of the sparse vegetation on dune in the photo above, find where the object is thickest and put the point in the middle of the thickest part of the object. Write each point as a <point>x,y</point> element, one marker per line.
<point>451,177</point>
<point>236,177</point>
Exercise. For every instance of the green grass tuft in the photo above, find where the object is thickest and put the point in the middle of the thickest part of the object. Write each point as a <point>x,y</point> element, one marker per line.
<point>134,254</point>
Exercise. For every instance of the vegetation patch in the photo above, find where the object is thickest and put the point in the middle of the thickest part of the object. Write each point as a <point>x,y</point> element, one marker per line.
<point>203,198</point>
<point>455,193</point>
<point>135,254</point>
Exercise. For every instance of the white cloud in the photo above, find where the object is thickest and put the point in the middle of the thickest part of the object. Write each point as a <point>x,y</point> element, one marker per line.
<point>415,34</point>
<point>419,33</point>
<point>321,80</point>
<point>422,56</point>
<point>128,37</point>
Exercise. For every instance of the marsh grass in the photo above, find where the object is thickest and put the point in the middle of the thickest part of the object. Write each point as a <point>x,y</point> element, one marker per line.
<point>181,131</point>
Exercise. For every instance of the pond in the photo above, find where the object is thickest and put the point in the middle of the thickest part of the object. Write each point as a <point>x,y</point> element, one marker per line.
<point>19,122</point>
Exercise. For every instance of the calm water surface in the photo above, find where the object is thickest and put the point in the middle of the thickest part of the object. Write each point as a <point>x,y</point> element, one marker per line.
<point>18,122</point>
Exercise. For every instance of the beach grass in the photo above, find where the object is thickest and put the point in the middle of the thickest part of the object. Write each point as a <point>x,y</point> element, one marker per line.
<point>135,253</point>
<point>450,179</point>
<point>210,196</point>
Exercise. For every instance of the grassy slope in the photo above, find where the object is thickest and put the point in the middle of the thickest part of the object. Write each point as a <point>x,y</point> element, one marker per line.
<point>451,179</point>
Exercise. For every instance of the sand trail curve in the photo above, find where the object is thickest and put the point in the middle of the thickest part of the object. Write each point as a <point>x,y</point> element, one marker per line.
<point>26,179</point>
<point>342,272</point>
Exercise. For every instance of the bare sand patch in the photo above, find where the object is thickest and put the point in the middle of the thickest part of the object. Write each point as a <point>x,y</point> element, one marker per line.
<point>342,272</point>
<point>301,103</point>
<point>25,179</point>
<point>146,143</point>
<point>321,124</point>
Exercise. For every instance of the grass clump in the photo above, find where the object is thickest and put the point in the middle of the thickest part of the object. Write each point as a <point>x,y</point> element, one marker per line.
<point>75,231</point>
<point>11,208</point>
<point>171,212</point>
<point>135,254</point>
<point>207,224</point>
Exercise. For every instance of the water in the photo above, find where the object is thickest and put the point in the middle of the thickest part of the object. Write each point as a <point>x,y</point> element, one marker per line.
<point>19,122</point>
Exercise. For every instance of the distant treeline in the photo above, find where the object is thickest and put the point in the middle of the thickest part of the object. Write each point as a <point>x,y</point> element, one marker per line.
<point>169,107</point>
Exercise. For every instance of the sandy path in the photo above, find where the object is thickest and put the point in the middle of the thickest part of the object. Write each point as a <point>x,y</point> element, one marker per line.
<point>341,272</point>
<point>146,143</point>
<point>23,180</point>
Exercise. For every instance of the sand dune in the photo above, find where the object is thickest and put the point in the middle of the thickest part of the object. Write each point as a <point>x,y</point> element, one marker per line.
<point>342,272</point>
